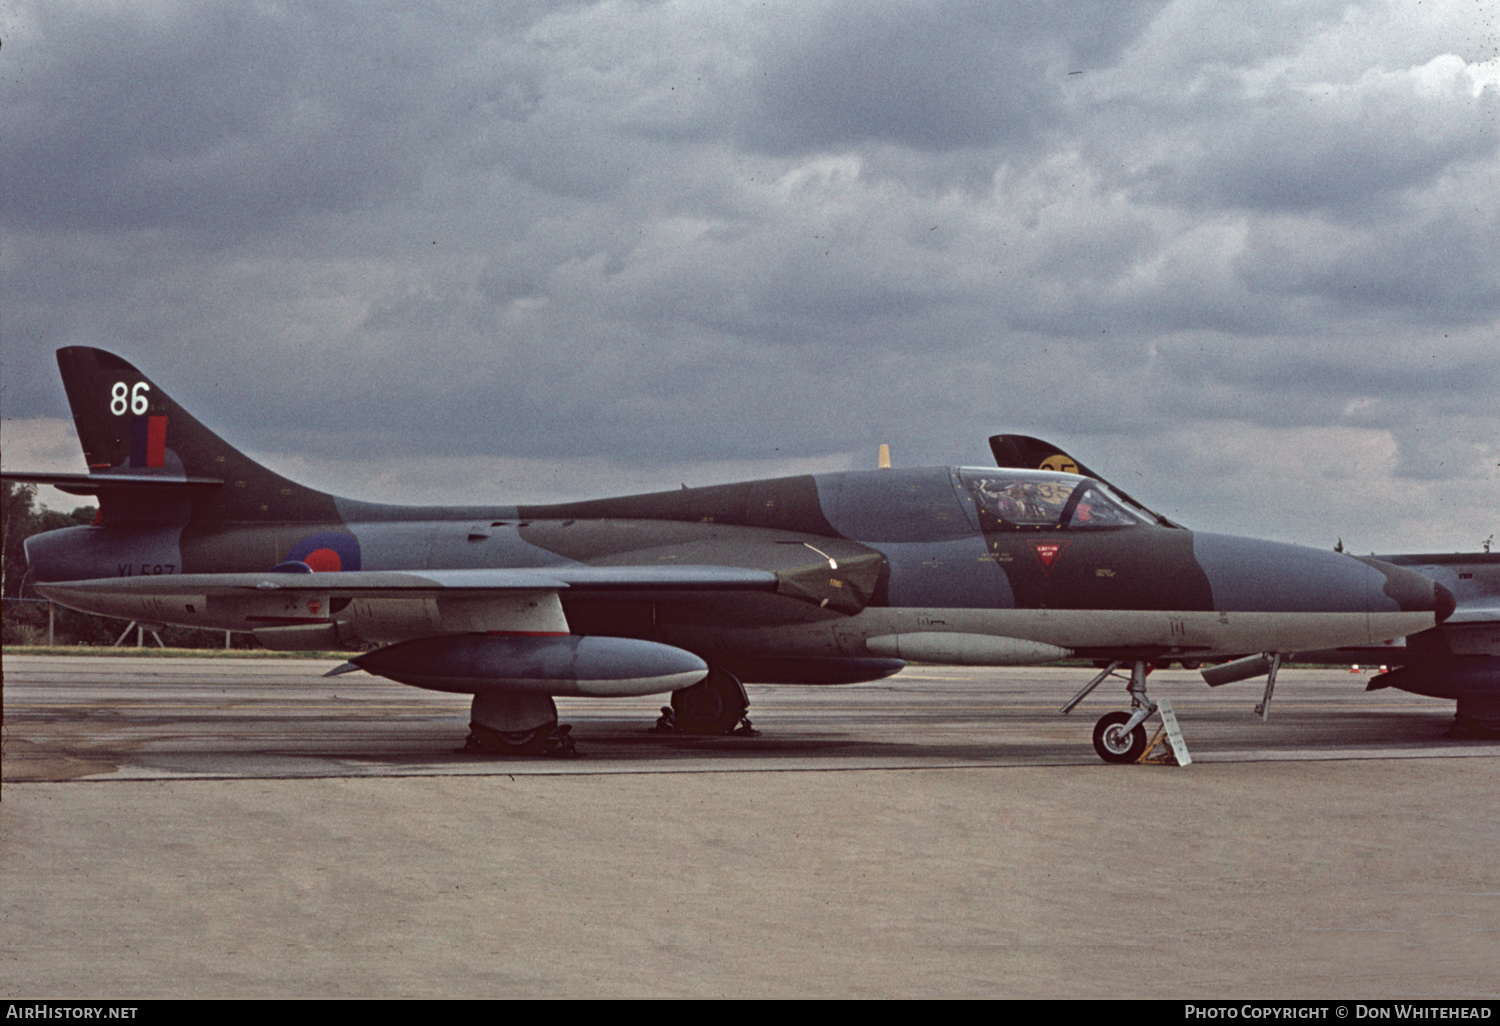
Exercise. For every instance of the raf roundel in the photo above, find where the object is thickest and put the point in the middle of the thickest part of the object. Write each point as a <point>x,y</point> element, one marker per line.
<point>327,552</point>
<point>323,559</point>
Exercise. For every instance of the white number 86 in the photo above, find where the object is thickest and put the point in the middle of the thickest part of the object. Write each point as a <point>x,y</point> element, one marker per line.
<point>122,397</point>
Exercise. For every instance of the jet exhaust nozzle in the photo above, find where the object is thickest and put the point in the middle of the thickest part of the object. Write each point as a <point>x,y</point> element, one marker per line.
<point>550,665</point>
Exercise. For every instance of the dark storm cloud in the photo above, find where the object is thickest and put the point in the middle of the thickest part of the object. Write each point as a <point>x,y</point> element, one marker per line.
<point>211,119</point>
<point>1303,376</point>
<point>659,232</point>
<point>1435,268</point>
<point>1336,147</point>
<point>224,119</point>
<point>933,77</point>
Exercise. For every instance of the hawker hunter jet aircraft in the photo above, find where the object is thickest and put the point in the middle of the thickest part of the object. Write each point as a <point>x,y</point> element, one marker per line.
<point>820,579</point>
<point>1457,659</point>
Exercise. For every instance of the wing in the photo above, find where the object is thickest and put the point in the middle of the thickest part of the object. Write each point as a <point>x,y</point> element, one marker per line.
<point>396,604</point>
<point>398,584</point>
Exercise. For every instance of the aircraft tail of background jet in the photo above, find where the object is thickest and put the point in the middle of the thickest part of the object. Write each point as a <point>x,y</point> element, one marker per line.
<point>152,462</point>
<point>1023,452</point>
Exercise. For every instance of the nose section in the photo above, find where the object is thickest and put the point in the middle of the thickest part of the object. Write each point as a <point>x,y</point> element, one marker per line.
<point>1261,576</point>
<point>1317,598</point>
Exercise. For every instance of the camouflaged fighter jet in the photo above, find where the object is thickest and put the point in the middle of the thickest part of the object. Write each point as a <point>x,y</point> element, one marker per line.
<point>1457,659</point>
<point>815,579</point>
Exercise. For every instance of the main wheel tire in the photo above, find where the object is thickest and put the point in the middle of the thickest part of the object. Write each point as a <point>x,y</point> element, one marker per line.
<point>537,741</point>
<point>1113,744</point>
<point>715,705</point>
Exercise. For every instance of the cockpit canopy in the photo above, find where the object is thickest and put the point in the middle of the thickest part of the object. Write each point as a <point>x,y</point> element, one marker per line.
<point>1011,500</point>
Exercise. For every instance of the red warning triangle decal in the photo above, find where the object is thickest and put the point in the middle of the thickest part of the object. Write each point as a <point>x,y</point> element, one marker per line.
<point>1047,553</point>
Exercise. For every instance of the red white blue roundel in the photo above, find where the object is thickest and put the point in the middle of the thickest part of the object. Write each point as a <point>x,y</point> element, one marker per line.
<point>327,552</point>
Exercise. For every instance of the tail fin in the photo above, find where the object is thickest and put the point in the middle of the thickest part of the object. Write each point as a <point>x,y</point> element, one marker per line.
<point>149,459</point>
<point>1023,452</point>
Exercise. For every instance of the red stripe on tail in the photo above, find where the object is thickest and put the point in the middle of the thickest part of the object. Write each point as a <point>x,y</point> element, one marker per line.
<point>156,442</point>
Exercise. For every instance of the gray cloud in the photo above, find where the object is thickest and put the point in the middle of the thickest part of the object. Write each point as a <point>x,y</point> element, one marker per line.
<point>210,119</point>
<point>668,232</point>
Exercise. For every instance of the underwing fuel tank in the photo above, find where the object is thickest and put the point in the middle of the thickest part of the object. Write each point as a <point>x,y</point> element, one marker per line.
<point>965,649</point>
<point>555,665</point>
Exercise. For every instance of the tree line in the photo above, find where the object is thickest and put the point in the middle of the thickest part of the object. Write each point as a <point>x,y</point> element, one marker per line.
<point>26,612</point>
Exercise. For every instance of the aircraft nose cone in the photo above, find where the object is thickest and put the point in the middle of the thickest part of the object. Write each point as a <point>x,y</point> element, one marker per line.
<point>1339,599</point>
<point>1263,576</point>
<point>1444,602</point>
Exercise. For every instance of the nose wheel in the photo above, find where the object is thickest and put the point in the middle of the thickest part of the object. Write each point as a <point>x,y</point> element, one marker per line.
<point>1120,737</point>
<point>1116,741</point>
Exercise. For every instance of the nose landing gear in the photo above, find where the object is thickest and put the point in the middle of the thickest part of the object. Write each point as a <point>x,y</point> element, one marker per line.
<point>1120,737</point>
<point>1115,742</point>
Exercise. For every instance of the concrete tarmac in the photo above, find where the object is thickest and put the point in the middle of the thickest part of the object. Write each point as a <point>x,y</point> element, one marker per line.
<point>216,827</point>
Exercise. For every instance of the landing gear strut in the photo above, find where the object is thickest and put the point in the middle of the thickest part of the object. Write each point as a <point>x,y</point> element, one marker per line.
<point>715,705</point>
<point>1121,736</point>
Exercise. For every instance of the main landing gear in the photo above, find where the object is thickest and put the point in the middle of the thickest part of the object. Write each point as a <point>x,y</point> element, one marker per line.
<point>1121,736</point>
<point>517,723</point>
<point>715,705</point>
<point>505,722</point>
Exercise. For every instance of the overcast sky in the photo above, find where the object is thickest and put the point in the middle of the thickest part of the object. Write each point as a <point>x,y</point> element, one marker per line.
<point>1242,259</point>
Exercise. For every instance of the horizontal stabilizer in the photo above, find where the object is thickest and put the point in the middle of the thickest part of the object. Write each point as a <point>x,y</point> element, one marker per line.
<point>1474,614</point>
<point>94,484</point>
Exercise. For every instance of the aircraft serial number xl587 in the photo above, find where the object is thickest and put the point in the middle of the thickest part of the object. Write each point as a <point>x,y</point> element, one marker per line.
<point>820,579</point>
